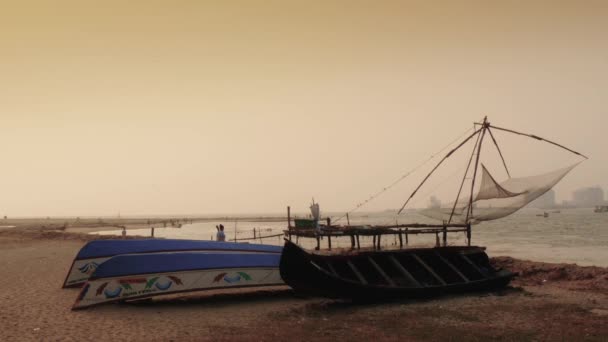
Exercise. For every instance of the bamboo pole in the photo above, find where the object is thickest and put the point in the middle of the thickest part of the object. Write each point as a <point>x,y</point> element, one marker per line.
<point>436,166</point>
<point>499,152</point>
<point>540,139</point>
<point>400,239</point>
<point>483,132</point>
<point>463,179</point>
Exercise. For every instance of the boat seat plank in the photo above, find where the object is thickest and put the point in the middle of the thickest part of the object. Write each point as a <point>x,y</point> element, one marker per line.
<point>403,271</point>
<point>356,272</point>
<point>429,269</point>
<point>454,268</point>
<point>382,273</point>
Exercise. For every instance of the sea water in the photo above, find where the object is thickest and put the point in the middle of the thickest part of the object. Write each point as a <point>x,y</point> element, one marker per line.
<point>571,236</point>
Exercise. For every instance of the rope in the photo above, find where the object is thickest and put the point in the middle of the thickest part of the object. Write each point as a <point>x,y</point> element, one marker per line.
<point>398,180</point>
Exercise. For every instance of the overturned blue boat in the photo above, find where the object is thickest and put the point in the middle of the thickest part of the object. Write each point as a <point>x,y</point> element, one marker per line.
<point>138,276</point>
<point>94,253</point>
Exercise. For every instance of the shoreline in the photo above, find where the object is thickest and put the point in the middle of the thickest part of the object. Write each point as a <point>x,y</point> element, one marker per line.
<point>546,302</point>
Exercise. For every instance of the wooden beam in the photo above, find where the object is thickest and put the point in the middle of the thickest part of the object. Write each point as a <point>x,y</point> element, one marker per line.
<point>332,269</point>
<point>447,262</point>
<point>356,272</point>
<point>466,258</point>
<point>382,273</point>
<point>403,271</point>
<point>429,269</point>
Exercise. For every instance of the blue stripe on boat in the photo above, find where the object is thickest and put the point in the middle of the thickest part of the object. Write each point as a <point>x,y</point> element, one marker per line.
<point>102,248</point>
<point>134,264</point>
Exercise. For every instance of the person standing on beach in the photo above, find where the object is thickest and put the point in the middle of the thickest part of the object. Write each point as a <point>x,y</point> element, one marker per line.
<point>220,236</point>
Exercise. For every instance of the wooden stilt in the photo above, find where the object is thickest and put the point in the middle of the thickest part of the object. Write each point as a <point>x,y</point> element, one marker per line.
<point>400,239</point>
<point>329,241</point>
<point>358,244</point>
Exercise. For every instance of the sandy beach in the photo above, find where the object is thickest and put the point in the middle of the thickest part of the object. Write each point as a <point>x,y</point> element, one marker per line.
<point>546,302</point>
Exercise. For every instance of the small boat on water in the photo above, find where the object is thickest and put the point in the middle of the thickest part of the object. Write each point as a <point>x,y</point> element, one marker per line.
<point>139,276</point>
<point>406,273</point>
<point>94,253</point>
<point>601,209</point>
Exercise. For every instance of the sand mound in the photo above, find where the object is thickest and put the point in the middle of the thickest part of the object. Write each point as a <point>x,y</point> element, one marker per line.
<point>570,276</point>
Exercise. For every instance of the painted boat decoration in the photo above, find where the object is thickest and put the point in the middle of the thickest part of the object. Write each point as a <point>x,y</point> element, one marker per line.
<point>138,276</point>
<point>94,253</point>
<point>406,273</point>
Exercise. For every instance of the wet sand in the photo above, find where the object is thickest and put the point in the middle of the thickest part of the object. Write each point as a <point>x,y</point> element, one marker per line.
<point>547,302</point>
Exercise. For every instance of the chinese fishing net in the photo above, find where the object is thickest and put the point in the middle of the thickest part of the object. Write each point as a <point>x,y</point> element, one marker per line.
<point>496,200</point>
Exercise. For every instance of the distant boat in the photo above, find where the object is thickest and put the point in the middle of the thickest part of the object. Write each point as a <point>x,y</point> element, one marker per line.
<point>545,214</point>
<point>601,209</point>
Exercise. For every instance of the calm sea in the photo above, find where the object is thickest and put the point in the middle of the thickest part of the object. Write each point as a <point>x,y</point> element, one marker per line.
<point>570,236</point>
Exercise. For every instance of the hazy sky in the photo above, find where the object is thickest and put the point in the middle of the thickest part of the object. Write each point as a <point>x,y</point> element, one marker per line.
<point>185,107</point>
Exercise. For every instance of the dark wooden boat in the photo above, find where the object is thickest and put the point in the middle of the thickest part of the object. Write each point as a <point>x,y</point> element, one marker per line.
<point>406,273</point>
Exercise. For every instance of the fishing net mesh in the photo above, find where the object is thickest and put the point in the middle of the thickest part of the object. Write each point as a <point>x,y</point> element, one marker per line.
<point>496,200</point>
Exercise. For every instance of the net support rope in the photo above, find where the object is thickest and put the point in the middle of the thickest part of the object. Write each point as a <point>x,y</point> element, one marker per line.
<point>404,176</point>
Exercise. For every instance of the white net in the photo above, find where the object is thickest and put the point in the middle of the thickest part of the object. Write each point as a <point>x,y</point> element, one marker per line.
<point>496,200</point>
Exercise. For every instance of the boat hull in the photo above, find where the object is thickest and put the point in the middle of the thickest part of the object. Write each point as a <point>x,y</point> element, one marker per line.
<point>94,253</point>
<point>130,277</point>
<point>419,273</point>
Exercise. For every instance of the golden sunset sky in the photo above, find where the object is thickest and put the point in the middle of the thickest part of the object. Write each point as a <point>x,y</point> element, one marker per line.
<point>188,107</point>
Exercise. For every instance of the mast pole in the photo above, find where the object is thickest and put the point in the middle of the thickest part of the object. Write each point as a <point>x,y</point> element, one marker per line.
<point>541,139</point>
<point>499,152</point>
<point>436,166</point>
<point>463,179</point>
<point>483,133</point>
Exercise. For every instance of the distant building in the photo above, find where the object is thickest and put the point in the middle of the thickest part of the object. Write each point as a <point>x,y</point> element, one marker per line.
<point>588,197</point>
<point>546,201</point>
